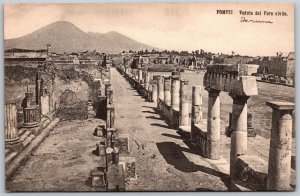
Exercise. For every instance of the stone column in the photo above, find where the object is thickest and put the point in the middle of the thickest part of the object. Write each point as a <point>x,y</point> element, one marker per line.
<point>140,75</point>
<point>213,125</point>
<point>161,96</point>
<point>112,116</point>
<point>196,108</point>
<point>239,131</point>
<point>96,90</point>
<point>175,88</point>
<point>38,89</point>
<point>175,92</point>
<point>109,96</point>
<point>279,168</point>
<point>28,100</point>
<point>147,80</point>
<point>10,126</point>
<point>154,93</point>
<point>184,118</point>
<point>160,85</point>
<point>167,91</point>
<point>108,116</point>
<point>107,88</point>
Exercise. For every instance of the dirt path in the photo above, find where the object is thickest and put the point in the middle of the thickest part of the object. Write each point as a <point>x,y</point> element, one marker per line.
<point>62,162</point>
<point>163,161</point>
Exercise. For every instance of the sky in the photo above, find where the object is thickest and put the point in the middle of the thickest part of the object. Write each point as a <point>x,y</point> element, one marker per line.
<point>178,26</point>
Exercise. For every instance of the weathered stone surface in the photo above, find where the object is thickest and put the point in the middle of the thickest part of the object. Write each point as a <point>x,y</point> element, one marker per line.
<point>128,164</point>
<point>221,77</point>
<point>71,107</point>
<point>253,171</point>
<point>279,170</point>
<point>213,125</point>
<point>122,142</point>
<point>115,178</point>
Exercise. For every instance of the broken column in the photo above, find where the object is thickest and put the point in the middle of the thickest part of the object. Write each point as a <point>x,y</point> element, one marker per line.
<point>279,168</point>
<point>29,112</point>
<point>196,108</point>
<point>10,125</point>
<point>154,93</point>
<point>213,124</point>
<point>175,94</point>
<point>184,118</point>
<point>239,131</point>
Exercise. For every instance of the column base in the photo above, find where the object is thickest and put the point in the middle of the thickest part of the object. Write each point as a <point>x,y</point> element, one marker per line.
<point>30,125</point>
<point>15,144</point>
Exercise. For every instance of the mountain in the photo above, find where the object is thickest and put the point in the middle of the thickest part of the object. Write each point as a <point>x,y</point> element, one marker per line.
<point>66,37</point>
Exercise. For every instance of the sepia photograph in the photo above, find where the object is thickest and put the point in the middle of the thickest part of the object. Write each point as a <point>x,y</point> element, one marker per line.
<point>149,97</point>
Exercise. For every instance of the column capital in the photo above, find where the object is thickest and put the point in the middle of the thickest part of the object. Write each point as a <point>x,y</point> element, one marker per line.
<point>281,105</point>
<point>242,99</point>
<point>175,77</point>
<point>213,92</point>
<point>184,81</point>
<point>167,77</point>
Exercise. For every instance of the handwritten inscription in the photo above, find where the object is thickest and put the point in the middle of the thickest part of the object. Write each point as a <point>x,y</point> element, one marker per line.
<point>243,19</point>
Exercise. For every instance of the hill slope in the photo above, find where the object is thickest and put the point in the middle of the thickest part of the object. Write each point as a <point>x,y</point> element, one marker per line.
<point>66,37</point>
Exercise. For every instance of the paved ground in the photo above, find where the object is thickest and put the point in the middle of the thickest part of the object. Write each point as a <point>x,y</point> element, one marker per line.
<point>62,162</point>
<point>163,160</point>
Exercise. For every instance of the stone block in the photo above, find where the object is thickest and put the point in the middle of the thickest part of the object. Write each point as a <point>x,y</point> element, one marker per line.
<point>129,167</point>
<point>252,170</point>
<point>115,178</point>
<point>98,178</point>
<point>122,143</point>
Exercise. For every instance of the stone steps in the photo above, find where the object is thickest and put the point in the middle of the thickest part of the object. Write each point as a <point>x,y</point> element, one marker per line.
<point>10,156</point>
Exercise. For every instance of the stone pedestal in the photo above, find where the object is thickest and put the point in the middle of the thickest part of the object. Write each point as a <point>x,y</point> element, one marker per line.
<point>239,131</point>
<point>167,91</point>
<point>154,93</point>
<point>30,119</point>
<point>184,118</point>
<point>213,147</point>
<point>109,156</point>
<point>196,108</point>
<point>98,178</point>
<point>10,124</point>
<point>279,169</point>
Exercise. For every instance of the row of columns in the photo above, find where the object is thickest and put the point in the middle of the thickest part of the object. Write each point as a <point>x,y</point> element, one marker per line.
<point>280,150</point>
<point>168,89</point>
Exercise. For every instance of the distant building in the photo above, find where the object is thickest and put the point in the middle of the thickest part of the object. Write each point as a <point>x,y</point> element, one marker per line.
<point>24,53</point>
<point>277,65</point>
